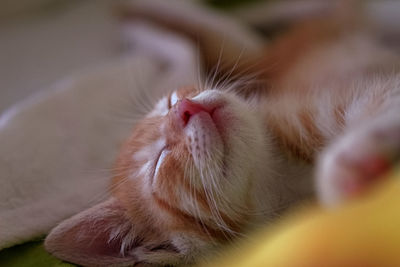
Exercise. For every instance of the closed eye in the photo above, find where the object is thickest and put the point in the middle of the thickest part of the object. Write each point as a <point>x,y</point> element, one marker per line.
<point>161,156</point>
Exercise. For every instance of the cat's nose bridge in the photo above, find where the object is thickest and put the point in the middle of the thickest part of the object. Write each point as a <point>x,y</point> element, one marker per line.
<point>188,108</point>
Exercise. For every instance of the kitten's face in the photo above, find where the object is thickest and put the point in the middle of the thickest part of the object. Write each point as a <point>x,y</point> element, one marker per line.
<point>186,181</point>
<point>192,161</point>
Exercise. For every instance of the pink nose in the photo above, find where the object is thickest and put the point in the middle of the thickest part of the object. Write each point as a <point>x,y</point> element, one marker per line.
<point>187,108</point>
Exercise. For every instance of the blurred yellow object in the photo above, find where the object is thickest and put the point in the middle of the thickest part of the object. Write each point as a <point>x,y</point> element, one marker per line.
<point>362,233</point>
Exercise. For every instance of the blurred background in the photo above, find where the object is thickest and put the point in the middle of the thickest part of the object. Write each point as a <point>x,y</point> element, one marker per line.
<point>41,41</point>
<point>44,41</point>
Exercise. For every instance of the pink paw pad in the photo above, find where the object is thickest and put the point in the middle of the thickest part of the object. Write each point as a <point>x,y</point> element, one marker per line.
<point>363,173</point>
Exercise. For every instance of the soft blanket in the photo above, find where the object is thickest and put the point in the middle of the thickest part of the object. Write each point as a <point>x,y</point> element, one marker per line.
<point>58,146</point>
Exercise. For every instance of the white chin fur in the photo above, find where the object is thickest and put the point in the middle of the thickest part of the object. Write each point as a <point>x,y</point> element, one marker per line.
<point>245,149</point>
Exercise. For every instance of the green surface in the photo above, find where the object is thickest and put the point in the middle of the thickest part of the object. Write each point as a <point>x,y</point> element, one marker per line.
<point>230,3</point>
<point>31,254</point>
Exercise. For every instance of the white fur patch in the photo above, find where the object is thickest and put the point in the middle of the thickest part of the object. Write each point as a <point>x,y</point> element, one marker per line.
<point>144,170</point>
<point>174,99</point>
<point>161,108</point>
<point>150,151</point>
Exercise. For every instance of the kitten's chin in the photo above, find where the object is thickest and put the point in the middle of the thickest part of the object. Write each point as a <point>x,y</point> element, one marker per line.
<point>225,136</point>
<point>206,143</point>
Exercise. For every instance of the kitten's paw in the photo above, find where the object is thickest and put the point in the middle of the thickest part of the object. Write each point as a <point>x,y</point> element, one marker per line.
<point>357,161</point>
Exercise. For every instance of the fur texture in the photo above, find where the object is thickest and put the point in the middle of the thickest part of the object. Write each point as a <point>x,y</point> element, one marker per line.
<point>207,164</point>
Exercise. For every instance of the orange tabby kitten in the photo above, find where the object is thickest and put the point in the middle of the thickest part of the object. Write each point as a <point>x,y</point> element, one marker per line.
<point>207,164</point>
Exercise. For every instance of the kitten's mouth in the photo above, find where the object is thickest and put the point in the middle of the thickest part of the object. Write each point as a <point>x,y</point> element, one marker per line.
<point>188,109</point>
<point>206,125</point>
<point>215,118</point>
<point>210,130</point>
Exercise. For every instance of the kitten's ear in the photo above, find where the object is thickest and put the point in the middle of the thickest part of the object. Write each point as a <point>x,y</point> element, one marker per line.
<point>98,236</point>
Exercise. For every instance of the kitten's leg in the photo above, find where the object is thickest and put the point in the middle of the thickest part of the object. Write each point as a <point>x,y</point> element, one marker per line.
<point>177,55</point>
<point>220,38</point>
<point>359,159</point>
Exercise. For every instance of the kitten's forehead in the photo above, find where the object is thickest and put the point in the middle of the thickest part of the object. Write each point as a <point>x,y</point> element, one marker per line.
<point>188,92</point>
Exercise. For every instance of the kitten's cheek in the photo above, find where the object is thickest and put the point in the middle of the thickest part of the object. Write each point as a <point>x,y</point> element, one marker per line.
<point>222,119</point>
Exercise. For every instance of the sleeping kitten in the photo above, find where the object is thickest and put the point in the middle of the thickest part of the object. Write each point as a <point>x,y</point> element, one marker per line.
<point>206,164</point>
<point>196,172</point>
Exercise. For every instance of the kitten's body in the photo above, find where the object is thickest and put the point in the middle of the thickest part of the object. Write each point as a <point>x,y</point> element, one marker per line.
<point>206,165</point>
<point>341,78</point>
<point>340,87</point>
